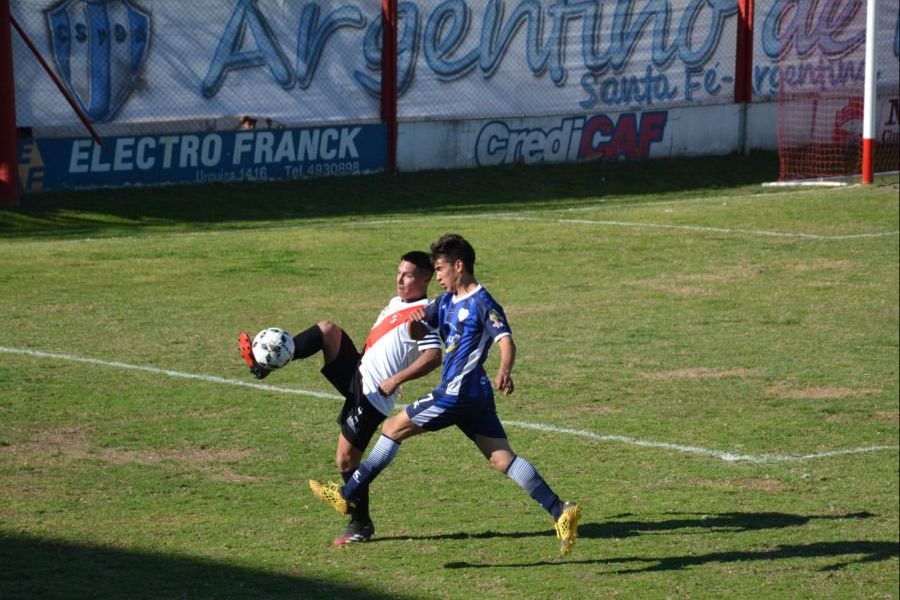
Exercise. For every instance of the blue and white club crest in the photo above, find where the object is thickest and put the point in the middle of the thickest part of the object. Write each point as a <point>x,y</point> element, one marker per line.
<point>99,47</point>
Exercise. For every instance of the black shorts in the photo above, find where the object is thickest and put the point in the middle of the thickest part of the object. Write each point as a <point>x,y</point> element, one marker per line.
<point>359,420</point>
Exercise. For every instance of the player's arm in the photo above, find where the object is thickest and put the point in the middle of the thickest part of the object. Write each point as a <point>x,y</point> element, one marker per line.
<point>423,321</point>
<point>427,362</point>
<point>503,381</point>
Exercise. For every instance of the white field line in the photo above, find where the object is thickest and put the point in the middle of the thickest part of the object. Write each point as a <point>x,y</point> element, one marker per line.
<point>726,456</point>
<point>168,372</point>
<point>628,224</point>
<point>524,215</point>
<point>583,433</point>
<point>757,232</point>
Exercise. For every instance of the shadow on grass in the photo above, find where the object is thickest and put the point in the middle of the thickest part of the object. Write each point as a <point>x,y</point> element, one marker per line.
<point>855,552</point>
<point>126,211</point>
<point>617,529</point>
<point>47,569</point>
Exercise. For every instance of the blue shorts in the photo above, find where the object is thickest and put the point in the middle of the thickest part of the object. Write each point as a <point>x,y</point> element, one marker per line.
<point>478,416</point>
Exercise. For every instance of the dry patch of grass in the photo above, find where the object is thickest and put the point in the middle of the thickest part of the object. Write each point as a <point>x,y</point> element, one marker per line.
<point>822,264</point>
<point>788,390</point>
<point>598,410</point>
<point>699,373</point>
<point>759,484</point>
<point>63,445</point>
<point>891,417</point>
<point>700,284</point>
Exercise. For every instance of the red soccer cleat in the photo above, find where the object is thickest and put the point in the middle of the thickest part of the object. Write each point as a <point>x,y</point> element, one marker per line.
<point>245,346</point>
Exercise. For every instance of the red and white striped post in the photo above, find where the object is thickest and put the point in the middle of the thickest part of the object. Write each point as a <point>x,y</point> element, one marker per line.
<point>743,66</point>
<point>9,184</point>
<point>389,19</point>
<point>870,107</point>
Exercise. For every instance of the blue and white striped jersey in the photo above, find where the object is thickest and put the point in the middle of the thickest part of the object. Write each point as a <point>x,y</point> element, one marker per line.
<point>468,326</point>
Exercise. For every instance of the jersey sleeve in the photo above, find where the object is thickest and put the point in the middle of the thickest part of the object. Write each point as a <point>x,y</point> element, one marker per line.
<point>431,341</point>
<point>431,313</point>
<point>495,322</point>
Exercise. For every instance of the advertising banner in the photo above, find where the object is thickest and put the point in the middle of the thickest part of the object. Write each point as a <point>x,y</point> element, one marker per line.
<point>140,62</point>
<point>474,58</point>
<point>818,46</point>
<point>260,155</point>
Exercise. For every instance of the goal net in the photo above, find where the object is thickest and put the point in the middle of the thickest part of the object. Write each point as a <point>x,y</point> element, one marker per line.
<point>820,95</point>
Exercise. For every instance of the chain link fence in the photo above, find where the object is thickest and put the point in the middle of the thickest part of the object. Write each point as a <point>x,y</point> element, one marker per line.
<point>152,66</point>
<point>141,66</point>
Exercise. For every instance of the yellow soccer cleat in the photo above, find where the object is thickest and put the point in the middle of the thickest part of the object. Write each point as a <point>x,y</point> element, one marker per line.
<point>567,526</point>
<point>330,493</point>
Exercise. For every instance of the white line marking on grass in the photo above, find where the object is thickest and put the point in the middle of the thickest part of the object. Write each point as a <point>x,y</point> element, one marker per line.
<point>631,224</point>
<point>583,433</point>
<point>522,215</point>
<point>806,236</point>
<point>169,373</point>
<point>726,456</point>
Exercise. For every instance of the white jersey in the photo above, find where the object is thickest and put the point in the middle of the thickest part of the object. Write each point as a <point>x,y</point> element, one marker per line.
<point>390,349</point>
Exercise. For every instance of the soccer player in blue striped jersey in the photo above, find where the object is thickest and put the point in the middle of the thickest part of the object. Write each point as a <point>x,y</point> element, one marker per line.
<point>469,321</point>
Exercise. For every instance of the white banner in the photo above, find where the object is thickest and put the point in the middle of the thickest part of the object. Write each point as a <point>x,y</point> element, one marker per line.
<point>523,57</point>
<point>150,61</point>
<point>819,46</point>
<point>137,61</point>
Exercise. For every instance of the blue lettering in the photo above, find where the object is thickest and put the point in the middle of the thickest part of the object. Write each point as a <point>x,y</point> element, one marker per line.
<point>228,56</point>
<point>689,84</point>
<point>627,90</point>
<point>721,9</point>
<point>496,37</point>
<point>453,45</point>
<point>312,36</point>
<point>823,75</point>
<point>407,50</point>
<point>445,31</point>
<point>792,24</point>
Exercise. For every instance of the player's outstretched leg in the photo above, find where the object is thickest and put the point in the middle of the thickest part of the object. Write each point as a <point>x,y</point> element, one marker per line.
<point>565,514</point>
<point>330,493</point>
<point>567,526</point>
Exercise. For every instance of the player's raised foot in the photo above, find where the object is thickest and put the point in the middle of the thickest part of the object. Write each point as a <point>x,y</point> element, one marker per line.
<point>567,526</point>
<point>330,493</point>
<point>356,532</point>
<point>245,347</point>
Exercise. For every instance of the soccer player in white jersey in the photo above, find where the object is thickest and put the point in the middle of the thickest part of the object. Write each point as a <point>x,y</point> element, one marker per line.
<point>469,320</point>
<point>368,381</point>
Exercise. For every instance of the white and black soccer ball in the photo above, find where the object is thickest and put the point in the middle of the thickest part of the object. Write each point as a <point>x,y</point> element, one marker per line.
<point>273,348</point>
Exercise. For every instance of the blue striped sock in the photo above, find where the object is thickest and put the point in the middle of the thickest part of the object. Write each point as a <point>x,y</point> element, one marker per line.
<point>523,472</point>
<point>380,457</point>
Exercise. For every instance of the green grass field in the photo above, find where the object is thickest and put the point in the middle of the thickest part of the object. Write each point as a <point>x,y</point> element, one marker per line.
<point>709,366</point>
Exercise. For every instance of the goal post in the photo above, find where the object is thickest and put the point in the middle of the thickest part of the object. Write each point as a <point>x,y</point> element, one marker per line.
<point>9,184</point>
<point>837,101</point>
<point>869,94</point>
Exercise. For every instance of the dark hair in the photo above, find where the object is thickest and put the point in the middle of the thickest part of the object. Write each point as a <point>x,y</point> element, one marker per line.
<point>453,247</point>
<point>420,259</point>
